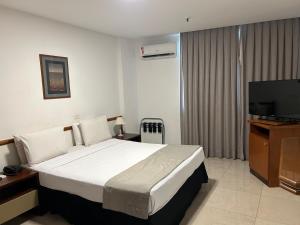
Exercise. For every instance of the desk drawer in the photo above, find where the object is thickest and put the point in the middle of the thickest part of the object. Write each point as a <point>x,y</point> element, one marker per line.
<point>18,205</point>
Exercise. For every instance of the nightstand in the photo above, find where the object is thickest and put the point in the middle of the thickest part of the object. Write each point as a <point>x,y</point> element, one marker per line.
<point>130,137</point>
<point>18,194</point>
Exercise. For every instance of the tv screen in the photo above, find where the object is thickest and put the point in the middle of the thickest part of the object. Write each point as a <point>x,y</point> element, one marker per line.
<point>275,99</point>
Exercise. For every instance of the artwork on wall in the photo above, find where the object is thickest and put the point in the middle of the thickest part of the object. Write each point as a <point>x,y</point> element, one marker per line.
<point>55,76</point>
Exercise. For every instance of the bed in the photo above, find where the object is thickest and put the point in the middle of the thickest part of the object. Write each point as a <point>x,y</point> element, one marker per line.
<point>109,181</point>
<point>72,184</point>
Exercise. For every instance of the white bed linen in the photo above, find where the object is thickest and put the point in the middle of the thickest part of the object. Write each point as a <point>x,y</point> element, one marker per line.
<point>84,172</point>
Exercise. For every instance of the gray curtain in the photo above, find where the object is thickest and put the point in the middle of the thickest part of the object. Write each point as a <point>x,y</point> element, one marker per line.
<point>269,51</point>
<point>216,66</point>
<point>209,60</point>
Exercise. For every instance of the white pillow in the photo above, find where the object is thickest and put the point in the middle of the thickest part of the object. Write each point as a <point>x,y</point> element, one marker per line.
<point>77,134</point>
<point>95,130</point>
<point>44,145</point>
<point>20,149</point>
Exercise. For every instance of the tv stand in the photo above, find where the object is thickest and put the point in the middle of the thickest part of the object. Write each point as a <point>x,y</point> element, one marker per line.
<point>265,146</point>
<point>279,119</point>
<point>274,122</point>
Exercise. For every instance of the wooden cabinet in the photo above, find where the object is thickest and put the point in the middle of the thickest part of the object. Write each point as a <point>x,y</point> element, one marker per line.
<point>264,148</point>
<point>18,194</point>
<point>289,174</point>
<point>129,137</point>
<point>259,157</point>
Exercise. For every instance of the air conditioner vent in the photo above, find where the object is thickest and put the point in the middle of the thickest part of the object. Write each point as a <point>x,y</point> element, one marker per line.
<point>165,50</point>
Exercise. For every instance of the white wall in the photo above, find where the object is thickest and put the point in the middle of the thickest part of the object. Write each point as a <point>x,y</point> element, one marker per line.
<point>128,85</point>
<point>157,87</point>
<point>107,76</point>
<point>93,70</point>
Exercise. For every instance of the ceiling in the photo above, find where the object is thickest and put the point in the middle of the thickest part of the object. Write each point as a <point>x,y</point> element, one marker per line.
<point>140,18</point>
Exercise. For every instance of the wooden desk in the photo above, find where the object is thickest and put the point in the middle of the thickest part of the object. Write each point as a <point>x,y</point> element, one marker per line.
<point>264,148</point>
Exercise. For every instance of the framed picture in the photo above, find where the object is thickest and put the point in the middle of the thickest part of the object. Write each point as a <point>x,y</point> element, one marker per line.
<point>55,77</point>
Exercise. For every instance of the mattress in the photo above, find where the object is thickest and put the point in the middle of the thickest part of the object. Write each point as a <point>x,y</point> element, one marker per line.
<point>85,171</point>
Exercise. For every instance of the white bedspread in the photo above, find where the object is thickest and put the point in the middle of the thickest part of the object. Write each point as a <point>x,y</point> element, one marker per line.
<point>84,172</point>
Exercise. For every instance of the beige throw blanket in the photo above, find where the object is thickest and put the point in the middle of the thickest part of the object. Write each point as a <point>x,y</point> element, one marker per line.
<point>129,191</point>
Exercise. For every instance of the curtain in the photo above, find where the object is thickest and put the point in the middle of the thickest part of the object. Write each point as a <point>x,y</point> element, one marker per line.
<point>209,90</point>
<point>216,66</point>
<point>268,51</point>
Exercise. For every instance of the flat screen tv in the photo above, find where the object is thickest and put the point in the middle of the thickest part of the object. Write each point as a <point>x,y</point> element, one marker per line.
<point>278,100</point>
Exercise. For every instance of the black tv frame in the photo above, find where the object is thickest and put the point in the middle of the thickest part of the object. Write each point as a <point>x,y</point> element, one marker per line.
<point>275,117</point>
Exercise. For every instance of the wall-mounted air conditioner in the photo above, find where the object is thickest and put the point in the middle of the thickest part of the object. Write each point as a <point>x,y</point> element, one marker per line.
<point>166,50</point>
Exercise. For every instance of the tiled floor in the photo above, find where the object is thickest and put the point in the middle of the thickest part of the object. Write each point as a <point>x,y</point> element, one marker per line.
<point>235,197</point>
<point>232,197</point>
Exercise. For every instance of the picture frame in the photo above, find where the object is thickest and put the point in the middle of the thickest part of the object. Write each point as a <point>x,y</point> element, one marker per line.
<point>55,76</point>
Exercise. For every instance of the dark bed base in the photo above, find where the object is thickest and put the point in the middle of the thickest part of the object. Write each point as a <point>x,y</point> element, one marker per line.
<point>80,211</point>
